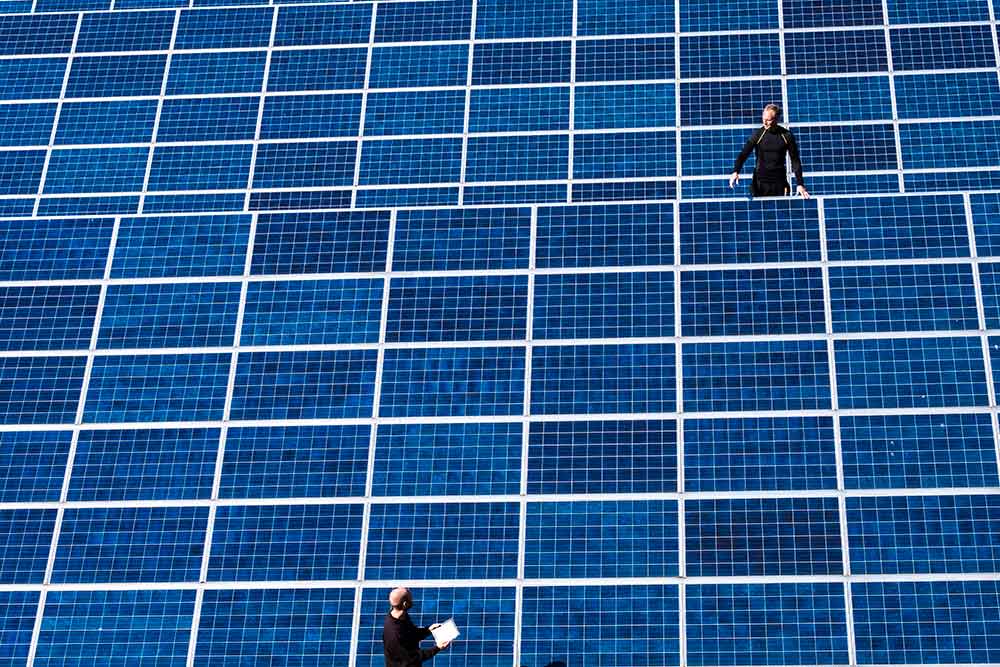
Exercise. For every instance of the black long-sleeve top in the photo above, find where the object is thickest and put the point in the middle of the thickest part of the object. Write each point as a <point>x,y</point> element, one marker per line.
<point>771,145</point>
<point>401,642</point>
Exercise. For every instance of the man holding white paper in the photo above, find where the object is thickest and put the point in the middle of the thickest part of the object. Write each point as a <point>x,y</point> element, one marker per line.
<point>401,638</point>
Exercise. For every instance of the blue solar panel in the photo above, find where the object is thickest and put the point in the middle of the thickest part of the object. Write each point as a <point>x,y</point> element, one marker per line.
<point>911,227</point>
<point>500,19</point>
<point>31,78</point>
<point>307,461</point>
<point>706,15</point>
<point>224,28</point>
<point>744,232</point>
<point>462,239</point>
<point>918,451</point>
<point>583,236</point>
<point>626,538</point>
<point>432,20</point>
<point>144,464</point>
<point>125,31</point>
<point>272,625</point>
<point>40,390</point>
<point>442,541</point>
<point>116,76</point>
<point>415,66</point>
<point>130,544</point>
<point>423,382</point>
<point>457,309</point>
<point>18,609</point>
<point>921,534</point>
<point>33,465</point>
<point>304,385</point>
<point>320,243</point>
<point>602,457</point>
<point>51,33</point>
<point>554,618</point>
<point>910,373</point>
<point>127,121</point>
<point>782,375</point>
<point>604,305</point>
<point>853,98</point>
<point>926,622</point>
<point>757,537</point>
<point>447,459</point>
<point>766,624</point>
<point>151,626</point>
<point>316,69</point>
<point>942,48</point>
<point>839,52</point>
<point>24,548</point>
<point>304,25</point>
<point>762,301</point>
<point>615,17</point>
<point>47,318</point>
<point>214,119</point>
<point>162,315</point>
<point>925,297</point>
<point>169,387</point>
<point>26,124</point>
<point>803,14</point>
<point>759,454</point>
<point>175,247</point>
<point>410,112</point>
<point>603,379</point>
<point>285,543</point>
<point>395,161</point>
<point>511,109</point>
<point>620,106</point>
<point>225,72</point>
<point>634,59</point>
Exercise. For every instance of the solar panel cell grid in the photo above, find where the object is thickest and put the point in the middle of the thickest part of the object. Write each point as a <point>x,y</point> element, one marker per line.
<point>270,625</point>
<point>583,624</point>
<point>442,541</point>
<point>601,539</point>
<point>766,624</point>
<point>918,451</point>
<point>285,543</point>
<point>923,534</point>
<point>759,454</point>
<point>152,626</point>
<point>133,544</point>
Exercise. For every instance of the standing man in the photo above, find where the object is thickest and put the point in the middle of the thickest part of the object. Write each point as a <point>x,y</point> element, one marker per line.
<point>771,143</point>
<point>401,638</point>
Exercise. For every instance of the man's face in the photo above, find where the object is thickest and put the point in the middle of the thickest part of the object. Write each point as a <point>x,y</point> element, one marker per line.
<point>768,117</point>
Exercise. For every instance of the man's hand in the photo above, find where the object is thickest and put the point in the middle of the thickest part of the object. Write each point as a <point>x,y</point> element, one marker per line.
<point>802,191</point>
<point>734,178</point>
<point>444,645</point>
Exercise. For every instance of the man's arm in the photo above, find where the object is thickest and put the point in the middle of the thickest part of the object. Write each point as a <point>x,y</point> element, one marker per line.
<point>793,154</point>
<point>748,147</point>
<point>745,153</point>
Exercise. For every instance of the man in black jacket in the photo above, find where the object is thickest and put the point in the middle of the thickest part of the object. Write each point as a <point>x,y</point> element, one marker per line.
<point>771,143</point>
<point>401,638</point>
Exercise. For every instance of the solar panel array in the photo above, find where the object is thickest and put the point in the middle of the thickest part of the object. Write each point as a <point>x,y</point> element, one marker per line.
<point>301,300</point>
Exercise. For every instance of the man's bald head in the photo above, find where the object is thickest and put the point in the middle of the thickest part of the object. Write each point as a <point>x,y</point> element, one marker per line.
<point>401,598</point>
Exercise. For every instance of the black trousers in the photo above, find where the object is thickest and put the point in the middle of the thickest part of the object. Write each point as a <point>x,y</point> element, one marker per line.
<point>760,188</point>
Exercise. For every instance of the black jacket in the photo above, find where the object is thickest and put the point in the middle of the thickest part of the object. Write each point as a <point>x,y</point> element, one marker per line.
<point>401,642</point>
<point>771,145</point>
